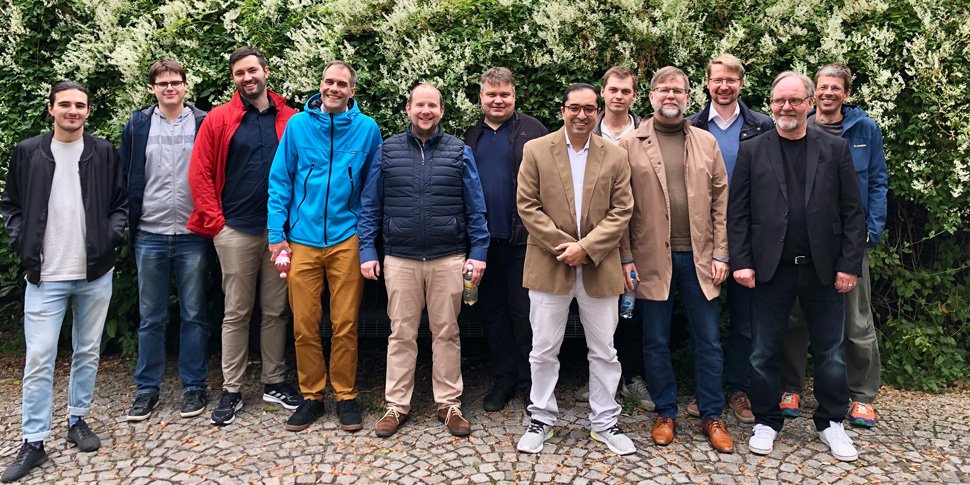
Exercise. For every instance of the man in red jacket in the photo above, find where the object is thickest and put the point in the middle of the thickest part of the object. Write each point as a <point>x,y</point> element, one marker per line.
<point>228,176</point>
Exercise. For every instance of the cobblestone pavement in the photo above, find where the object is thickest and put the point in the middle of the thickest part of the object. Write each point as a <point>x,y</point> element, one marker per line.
<point>920,438</point>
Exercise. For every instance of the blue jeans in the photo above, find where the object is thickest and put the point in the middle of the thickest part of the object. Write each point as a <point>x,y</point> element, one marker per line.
<point>44,309</point>
<point>157,256</point>
<point>737,356</point>
<point>703,317</point>
<point>824,311</point>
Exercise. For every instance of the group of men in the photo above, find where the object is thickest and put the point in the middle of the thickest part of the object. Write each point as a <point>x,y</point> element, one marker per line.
<point>679,204</point>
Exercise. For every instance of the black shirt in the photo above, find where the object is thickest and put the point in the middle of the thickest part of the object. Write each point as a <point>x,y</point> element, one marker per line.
<point>796,235</point>
<point>251,152</point>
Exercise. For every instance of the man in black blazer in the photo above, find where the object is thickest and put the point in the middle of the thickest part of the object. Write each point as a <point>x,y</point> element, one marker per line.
<point>796,229</point>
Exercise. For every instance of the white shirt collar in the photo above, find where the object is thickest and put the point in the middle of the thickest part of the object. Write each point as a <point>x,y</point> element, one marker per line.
<point>570,145</point>
<point>721,122</point>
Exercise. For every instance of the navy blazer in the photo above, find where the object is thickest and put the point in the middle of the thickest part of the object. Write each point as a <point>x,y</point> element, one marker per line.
<point>758,207</point>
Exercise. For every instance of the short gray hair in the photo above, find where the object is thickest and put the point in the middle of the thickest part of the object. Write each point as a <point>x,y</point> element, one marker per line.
<point>807,81</point>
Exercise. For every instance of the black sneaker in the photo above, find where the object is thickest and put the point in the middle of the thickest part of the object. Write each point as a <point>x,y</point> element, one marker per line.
<point>225,412</point>
<point>308,412</point>
<point>27,459</point>
<point>143,406</point>
<point>282,394</point>
<point>81,436</point>
<point>193,403</point>
<point>348,413</point>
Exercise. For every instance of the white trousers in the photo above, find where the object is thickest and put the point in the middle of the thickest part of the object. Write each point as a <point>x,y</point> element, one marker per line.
<point>599,316</point>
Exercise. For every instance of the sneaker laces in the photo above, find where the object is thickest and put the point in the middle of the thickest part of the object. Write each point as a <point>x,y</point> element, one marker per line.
<point>226,400</point>
<point>536,427</point>
<point>838,433</point>
<point>83,431</point>
<point>142,401</point>
<point>614,430</point>
<point>715,424</point>
<point>23,454</point>
<point>762,431</point>
<point>638,387</point>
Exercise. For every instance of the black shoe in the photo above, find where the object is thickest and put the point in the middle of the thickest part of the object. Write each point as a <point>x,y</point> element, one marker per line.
<point>527,399</point>
<point>308,412</point>
<point>225,412</point>
<point>143,406</point>
<point>497,397</point>
<point>27,459</point>
<point>282,394</point>
<point>81,436</point>
<point>348,413</point>
<point>193,403</point>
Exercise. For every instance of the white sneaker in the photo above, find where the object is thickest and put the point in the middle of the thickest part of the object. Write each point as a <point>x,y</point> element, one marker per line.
<point>839,442</point>
<point>615,440</point>
<point>535,436</point>
<point>637,389</point>
<point>763,440</point>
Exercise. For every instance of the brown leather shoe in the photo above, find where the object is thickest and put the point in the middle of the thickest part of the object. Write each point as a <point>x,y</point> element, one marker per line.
<point>389,424</point>
<point>741,407</point>
<point>456,423</point>
<point>718,435</point>
<point>663,430</point>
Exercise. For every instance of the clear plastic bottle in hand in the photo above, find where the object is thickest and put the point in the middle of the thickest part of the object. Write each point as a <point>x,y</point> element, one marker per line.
<point>629,298</point>
<point>470,294</point>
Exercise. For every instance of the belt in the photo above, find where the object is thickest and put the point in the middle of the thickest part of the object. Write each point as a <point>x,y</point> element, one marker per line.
<point>802,260</point>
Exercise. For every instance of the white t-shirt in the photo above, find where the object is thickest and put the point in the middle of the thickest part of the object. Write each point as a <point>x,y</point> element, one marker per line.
<point>65,256</point>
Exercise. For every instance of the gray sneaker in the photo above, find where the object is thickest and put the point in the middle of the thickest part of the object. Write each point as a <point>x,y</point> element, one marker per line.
<point>615,440</point>
<point>535,436</point>
<point>81,436</point>
<point>582,394</point>
<point>637,389</point>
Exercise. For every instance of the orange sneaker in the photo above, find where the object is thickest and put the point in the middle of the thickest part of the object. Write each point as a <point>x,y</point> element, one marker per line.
<point>789,405</point>
<point>862,414</point>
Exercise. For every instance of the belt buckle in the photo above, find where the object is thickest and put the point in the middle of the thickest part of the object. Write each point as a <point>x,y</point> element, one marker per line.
<point>800,260</point>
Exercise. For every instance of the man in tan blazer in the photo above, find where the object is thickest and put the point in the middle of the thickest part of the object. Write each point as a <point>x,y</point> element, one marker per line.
<point>678,240</point>
<point>574,198</point>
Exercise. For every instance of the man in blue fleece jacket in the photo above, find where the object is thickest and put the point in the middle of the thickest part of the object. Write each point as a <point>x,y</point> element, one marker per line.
<point>314,198</point>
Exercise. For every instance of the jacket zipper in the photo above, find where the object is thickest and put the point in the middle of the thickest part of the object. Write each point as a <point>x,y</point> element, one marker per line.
<point>326,202</point>
<point>424,234</point>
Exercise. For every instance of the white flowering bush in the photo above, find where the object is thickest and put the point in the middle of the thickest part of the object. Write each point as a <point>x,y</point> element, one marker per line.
<point>908,56</point>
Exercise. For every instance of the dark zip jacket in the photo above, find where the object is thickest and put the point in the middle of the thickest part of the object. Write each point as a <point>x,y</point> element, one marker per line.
<point>27,193</point>
<point>522,129</point>
<point>753,123</point>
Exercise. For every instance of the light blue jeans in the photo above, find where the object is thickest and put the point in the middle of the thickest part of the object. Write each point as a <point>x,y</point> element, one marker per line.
<point>44,309</point>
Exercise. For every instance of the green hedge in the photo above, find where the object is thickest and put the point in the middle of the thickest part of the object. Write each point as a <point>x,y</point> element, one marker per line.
<point>909,57</point>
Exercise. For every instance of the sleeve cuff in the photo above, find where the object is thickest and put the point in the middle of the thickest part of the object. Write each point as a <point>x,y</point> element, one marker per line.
<point>723,259</point>
<point>368,255</point>
<point>478,254</point>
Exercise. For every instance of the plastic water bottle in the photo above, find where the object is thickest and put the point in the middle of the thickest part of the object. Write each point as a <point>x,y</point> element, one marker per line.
<point>628,298</point>
<point>470,293</point>
<point>283,263</point>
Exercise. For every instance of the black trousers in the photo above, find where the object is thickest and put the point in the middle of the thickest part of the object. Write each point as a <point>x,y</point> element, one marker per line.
<point>505,302</point>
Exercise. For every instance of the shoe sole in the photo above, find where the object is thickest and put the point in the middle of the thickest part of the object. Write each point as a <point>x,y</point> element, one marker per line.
<point>743,419</point>
<point>791,414</point>
<point>596,437</point>
<point>230,420</point>
<point>862,423</point>
<point>192,414</point>
<point>541,445</point>
<point>760,451</point>
<point>276,400</point>
<point>297,427</point>
<point>352,427</point>
<point>838,457</point>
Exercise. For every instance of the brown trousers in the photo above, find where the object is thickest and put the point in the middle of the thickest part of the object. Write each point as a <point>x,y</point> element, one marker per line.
<point>337,267</point>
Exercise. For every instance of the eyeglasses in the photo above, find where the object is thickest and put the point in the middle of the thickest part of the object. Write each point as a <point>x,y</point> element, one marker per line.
<point>730,81</point>
<point>792,101</point>
<point>165,85</point>
<point>575,109</point>
<point>674,91</point>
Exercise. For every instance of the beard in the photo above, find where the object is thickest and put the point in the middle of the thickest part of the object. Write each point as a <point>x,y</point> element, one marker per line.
<point>669,113</point>
<point>788,124</point>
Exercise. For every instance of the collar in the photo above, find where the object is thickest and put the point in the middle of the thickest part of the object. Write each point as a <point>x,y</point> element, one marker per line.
<point>716,117</point>
<point>570,145</point>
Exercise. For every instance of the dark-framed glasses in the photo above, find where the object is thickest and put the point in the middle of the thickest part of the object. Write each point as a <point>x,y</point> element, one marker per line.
<point>574,109</point>
<point>167,84</point>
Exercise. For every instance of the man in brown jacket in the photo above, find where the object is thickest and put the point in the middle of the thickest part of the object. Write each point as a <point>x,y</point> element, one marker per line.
<point>574,199</point>
<point>677,239</point>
